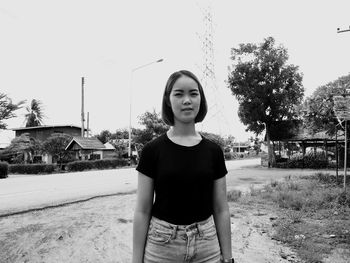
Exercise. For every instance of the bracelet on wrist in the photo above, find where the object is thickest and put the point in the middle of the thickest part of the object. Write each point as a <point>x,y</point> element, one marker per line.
<point>229,260</point>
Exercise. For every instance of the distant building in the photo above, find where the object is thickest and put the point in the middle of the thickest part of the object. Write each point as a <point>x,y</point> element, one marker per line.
<point>88,148</point>
<point>109,151</point>
<point>43,132</point>
<point>240,147</point>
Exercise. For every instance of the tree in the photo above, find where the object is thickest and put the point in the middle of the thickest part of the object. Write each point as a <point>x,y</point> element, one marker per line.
<point>121,134</point>
<point>104,136</point>
<point>7,109</point>
<point>153,123</point>
<point>56,145</point>
<point>154,127</point>
<point>317,109</point>
<point>229,142</point>
<point>266,87</point>
<point>23,148</point>
<point>35,115</point>
<point>257,144</point>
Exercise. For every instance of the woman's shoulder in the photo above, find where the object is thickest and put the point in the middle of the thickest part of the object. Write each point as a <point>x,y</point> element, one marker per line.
<point>156,142</point>
<point>208,142</point>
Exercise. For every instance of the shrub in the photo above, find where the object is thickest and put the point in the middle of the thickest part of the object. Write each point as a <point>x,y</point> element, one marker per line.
<point>228,156</point>
<point>97,164</point>
<point>234,195</point>
<point>77,166</point>
<point>4,168</point>
<point>32,168</point>
<point>310,160</point>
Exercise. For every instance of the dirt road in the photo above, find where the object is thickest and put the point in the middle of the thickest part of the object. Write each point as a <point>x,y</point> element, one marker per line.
<point>100,230</point>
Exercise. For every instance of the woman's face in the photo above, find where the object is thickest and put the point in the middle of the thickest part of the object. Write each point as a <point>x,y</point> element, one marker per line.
<point>185,100</point>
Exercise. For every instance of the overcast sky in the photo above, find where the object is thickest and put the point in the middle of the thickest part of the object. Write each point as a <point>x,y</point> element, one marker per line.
<point>47,46</point>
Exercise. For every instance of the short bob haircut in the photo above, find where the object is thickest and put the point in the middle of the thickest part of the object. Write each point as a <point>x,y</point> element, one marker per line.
<point>167,112</point>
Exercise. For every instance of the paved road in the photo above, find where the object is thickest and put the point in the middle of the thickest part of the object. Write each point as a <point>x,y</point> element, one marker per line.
<point>21,193</point>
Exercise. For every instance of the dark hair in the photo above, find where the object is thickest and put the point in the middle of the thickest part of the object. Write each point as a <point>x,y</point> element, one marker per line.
<point>167,112</point>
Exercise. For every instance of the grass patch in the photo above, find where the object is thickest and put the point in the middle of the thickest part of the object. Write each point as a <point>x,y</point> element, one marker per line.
<point>234,195</point>
<point>313,213</point>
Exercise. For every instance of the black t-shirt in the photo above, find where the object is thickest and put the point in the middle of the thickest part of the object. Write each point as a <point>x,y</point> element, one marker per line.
<point>183,178</point>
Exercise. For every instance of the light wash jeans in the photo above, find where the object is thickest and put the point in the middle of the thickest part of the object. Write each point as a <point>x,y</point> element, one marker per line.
<point>169,243</point>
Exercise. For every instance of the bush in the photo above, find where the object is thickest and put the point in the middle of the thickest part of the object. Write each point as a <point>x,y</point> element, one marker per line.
<point>228,156</point>
<point>4,168</point>
<point>32,168</point>
<point>79,166</point>
<point>97,164</point>
<point>310,160</point>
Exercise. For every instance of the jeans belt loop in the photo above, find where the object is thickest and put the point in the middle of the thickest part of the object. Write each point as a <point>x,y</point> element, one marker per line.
<point>173,236</point>
<point>198,229</point>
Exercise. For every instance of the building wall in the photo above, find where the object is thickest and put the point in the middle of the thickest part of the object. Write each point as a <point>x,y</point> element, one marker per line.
<point>43,133</point>
<point>108,154</point>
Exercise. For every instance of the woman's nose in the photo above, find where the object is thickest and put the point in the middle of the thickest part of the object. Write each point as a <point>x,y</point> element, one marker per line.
<point>186,100</point>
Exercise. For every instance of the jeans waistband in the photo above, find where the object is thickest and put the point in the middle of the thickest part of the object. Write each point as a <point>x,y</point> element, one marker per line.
<point>198,226</point>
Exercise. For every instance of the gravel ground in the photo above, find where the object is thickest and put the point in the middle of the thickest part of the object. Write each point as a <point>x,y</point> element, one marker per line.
<point>100,230</point>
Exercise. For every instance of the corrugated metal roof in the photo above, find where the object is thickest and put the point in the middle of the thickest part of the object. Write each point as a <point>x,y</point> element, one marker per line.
<point>46,127</point>
<point>86,143</point>
<point>319,136</point>
<point>109,146</point>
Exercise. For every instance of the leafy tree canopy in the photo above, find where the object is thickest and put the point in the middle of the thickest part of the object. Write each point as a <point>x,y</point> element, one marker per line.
<point>317,109</point>
<point>154,127</point>
<point>153,123</point>
<point>56,145</point>
<point>23,144</point>
<point>104,136</point>
<point>266,87</point>
<point>7,109</point>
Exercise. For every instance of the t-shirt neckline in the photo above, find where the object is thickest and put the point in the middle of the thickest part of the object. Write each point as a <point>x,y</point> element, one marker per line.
<point>184,146</point>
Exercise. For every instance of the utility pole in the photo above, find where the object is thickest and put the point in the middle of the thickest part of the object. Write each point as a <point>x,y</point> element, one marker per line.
<point>82,106</point>
<point>87,126</point>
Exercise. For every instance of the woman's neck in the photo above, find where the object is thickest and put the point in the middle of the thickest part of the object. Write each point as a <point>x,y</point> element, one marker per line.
<point>183,130</point>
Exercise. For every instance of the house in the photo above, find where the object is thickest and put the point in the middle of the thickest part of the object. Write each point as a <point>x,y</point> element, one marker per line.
<point>240,147</point>
<point>41,133</point>
<point>87,148</point>
<point>109,151</point>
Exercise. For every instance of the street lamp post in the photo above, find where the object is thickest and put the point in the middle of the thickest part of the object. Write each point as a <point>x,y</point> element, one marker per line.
<point>130,100</point>
<point>346,122</point>
<point>342,30</point>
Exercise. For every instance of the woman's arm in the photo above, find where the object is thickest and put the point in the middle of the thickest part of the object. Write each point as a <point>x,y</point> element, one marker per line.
<point>144,202</point>
<point>222,217</point>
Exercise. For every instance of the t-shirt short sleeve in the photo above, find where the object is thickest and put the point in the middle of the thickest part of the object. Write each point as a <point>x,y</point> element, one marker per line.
<point>220,166</point>
<point>146,162</point>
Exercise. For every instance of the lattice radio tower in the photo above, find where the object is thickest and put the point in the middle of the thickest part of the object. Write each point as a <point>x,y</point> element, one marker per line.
<point>215,117</point>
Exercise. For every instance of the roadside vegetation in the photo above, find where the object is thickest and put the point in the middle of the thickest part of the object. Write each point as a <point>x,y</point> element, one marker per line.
<point>312,213</point>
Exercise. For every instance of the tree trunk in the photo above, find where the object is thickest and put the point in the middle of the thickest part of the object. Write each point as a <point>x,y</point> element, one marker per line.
<point>270,151</point>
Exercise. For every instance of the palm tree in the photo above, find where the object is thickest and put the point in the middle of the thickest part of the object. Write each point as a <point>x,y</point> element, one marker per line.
<point>35,114</point>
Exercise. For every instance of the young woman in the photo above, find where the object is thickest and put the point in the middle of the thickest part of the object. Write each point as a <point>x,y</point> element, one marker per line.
<point>189,220</point>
